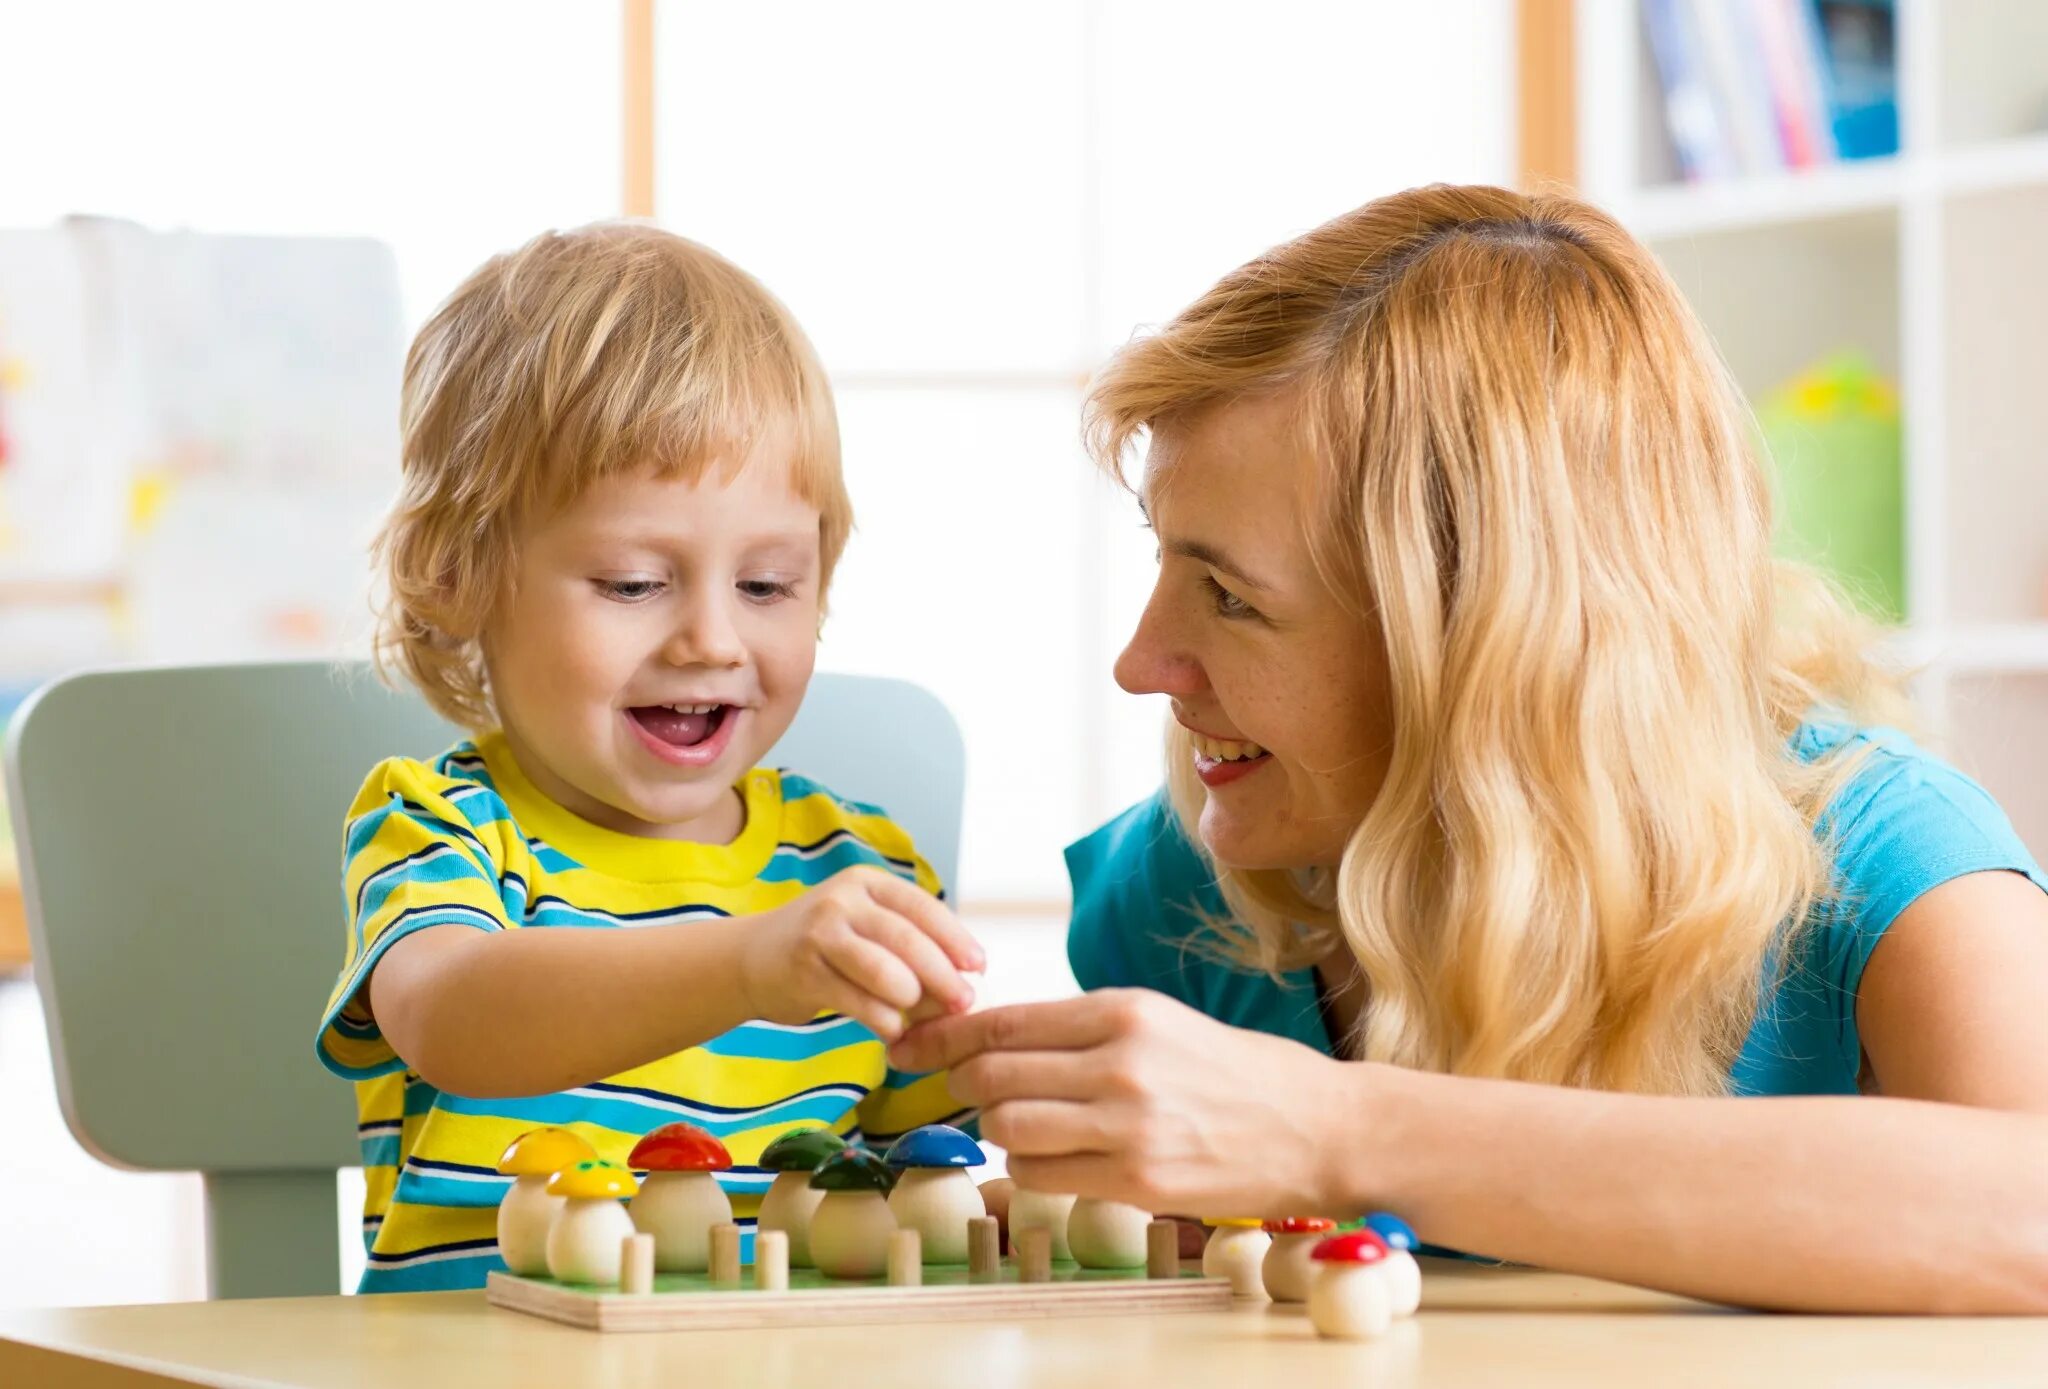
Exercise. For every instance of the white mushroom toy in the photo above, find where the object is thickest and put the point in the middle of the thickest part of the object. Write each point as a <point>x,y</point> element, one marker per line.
<point>681,1199</point>
<point>850,1229</point>
<point>1404,1275</point>
<point>1237,1251</point>
<point>1351,1298</point>
<point>527,1211</point>
<point>933,1194</point>
<point>1042,1210</point>
<point>791,1199</point>
<point>1288,1270</point>
<point>1107,1234</point>
<point>589,1233</point>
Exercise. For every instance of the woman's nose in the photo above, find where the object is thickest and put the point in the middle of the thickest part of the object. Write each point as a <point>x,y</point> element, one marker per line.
<point>1153,663</point>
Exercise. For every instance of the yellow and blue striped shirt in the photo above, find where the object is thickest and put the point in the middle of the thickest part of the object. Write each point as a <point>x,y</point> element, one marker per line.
<point>468,840</point>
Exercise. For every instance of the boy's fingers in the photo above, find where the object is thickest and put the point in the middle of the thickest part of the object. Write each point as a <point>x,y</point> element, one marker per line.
<point>873,970</point>
<point>847,999</point>
<point>931,916</point>
<point>917,950</point>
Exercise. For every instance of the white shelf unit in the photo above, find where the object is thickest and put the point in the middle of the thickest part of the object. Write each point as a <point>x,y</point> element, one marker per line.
<point>1935,264</point>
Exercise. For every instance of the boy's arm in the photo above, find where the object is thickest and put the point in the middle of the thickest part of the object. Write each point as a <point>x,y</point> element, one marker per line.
<point>529,1012</point>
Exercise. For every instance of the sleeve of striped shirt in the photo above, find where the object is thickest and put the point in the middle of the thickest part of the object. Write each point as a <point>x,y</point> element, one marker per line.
<point>905,1101</point>
<point>410,860</point>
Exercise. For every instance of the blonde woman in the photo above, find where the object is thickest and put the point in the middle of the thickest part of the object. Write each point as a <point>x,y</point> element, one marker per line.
<point>1536,863</point>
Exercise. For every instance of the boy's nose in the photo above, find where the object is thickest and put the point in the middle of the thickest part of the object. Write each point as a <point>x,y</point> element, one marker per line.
<point>707,637</point>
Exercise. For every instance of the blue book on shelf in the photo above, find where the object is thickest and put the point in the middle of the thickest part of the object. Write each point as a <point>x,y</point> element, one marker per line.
<point>1857,41</point>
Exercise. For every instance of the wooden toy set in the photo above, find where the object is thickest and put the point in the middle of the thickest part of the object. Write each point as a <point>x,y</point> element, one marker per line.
<point>845,1235</point>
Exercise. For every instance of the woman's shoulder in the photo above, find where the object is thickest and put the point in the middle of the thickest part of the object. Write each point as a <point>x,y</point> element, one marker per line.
<point>1906,815</point>
<point>1141,890</point>
<point>1903,823</point>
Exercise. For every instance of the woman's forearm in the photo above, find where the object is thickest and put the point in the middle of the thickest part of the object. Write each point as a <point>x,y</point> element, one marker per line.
<point>1821,1204</point>
<point>533,1012</point>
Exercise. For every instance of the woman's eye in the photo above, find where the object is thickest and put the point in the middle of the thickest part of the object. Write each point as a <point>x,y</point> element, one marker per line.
<point>1226,603</point>
<point>628,590</point>
<point>766,590</point>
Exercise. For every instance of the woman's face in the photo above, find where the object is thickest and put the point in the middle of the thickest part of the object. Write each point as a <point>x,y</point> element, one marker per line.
<point>1282,688</point>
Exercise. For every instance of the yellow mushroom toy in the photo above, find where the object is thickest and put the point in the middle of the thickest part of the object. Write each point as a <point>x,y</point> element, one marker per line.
<point>527,1211</point>
<point>589,1234</point>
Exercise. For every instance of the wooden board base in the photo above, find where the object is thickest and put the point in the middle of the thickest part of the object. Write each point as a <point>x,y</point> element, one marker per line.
<point>689,1302</point>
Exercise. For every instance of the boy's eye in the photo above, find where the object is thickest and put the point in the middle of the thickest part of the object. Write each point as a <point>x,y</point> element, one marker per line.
<point>1226,603</point>
<point>766,590</point>
<point>628,590</point>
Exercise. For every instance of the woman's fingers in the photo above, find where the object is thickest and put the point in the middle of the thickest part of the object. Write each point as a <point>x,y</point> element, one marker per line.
<point>1071,1024</point>
<point>1045,1128</point>
<point>993,1077</point>
<point>1083,1174</point>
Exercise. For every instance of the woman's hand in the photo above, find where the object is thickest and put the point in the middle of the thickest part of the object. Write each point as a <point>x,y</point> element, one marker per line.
<point>1127,1095</point>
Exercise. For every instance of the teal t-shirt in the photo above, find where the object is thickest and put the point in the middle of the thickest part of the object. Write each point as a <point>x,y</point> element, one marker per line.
<point>1906,823</point>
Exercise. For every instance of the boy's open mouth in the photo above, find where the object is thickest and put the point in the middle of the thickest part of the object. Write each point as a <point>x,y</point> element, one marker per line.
<point>681,725</point>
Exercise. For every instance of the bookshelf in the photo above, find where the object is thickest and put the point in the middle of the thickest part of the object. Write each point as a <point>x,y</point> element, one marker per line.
<point>1930,262</point>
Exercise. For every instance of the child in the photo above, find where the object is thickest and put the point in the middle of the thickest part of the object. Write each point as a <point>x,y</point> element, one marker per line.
<point>621,509</point>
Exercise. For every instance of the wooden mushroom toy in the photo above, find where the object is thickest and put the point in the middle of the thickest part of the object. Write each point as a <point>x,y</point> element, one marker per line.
<point>1287,1269</point>
<point>680,1200</point>
<point>590,1231</point>
<point>933,1194</point>
<point>1237,1250</point>
<point>791,1198</point>
<point>1404,1275</point>
<point>851,1227</point>
<point>1042,1210</point>
<point>1107,1234</point>
<point>527,1210</point>
<point>1350,1298</point>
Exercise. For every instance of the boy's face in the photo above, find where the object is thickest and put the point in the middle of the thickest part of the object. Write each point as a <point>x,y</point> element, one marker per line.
<point>656,641</point>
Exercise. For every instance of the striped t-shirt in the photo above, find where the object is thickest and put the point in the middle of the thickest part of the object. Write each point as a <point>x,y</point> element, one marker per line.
<point>469,841</point>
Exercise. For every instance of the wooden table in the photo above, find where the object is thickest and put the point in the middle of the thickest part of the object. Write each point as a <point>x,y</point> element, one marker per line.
<point>1479,1326</point>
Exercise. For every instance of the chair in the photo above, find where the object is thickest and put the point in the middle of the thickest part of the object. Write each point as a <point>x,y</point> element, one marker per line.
<point>179,832</point>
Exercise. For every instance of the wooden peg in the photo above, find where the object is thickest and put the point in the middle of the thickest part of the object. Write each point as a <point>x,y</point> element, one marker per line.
<point>906,1259</point>
<point>725,1253</point>
<point>636,1265</point>
<point>984,1249</point>
<point>771,1261</point>
<point>1034,1255</point>
<point>1162,1249</point>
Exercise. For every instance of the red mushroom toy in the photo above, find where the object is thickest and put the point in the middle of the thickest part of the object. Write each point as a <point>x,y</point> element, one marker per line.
<point>680,1200</point>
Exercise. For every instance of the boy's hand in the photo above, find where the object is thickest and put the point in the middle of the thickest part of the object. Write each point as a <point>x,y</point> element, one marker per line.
<point>864,943</point>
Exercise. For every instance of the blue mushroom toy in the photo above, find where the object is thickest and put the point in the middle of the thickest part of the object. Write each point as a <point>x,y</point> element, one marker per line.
<point>934,1194</point>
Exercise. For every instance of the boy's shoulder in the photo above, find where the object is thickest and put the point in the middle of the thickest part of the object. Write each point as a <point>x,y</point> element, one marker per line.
<point>451,795</point>
<point>456,775</point>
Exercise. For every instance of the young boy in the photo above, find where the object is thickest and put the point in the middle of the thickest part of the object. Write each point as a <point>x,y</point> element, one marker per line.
<point>621,509</point>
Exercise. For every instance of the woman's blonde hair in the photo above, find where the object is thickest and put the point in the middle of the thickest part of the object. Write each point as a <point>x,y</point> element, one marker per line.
<point>580,356</point>
<point>1536,485</point>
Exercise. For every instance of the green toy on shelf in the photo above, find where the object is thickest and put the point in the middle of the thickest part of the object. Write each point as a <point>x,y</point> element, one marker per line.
<point>1833,435</point>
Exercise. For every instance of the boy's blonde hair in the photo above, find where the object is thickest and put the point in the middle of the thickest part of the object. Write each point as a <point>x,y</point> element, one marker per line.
<point>1537,487</point>
<point>580,356</point>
